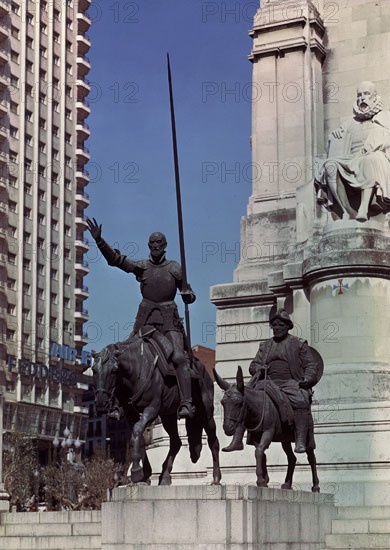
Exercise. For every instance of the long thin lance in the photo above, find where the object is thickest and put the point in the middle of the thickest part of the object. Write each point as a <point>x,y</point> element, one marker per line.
<point>179,209</point>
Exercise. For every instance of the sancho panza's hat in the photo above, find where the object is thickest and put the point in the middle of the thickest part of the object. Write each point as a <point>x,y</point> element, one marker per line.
<point>282,315</point>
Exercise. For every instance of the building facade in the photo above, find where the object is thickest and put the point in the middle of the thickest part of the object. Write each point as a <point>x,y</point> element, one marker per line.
<point>43,111</point>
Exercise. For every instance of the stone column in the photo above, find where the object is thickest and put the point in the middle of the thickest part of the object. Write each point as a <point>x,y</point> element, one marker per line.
<point>4,497</point>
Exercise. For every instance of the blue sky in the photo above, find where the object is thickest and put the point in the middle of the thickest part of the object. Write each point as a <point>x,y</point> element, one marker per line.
<point>132,191</point>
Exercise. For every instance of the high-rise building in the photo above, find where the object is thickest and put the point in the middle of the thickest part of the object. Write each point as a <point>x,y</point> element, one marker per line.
<point>43,108</point>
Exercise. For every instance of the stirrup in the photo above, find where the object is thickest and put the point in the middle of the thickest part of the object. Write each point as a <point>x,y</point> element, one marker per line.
<point>186,410</point>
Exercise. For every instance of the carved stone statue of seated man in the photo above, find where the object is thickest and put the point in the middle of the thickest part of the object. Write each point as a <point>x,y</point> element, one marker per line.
<point>356,175</point>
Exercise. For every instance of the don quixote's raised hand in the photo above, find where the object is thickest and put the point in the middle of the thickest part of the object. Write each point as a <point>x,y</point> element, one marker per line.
<point>95,229</point>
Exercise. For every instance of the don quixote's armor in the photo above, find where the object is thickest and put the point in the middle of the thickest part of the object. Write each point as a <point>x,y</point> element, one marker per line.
<point>159,279</point>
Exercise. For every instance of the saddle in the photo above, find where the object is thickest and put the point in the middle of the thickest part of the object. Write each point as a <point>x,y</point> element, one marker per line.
<point>164,349</point>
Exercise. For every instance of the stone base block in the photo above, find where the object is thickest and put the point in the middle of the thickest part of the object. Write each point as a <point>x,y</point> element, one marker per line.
<point>215,518</point>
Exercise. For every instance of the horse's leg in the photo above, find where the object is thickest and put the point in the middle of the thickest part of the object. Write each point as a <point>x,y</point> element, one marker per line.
<point>170,426</point>
<point>213,443</point>
<point>311,457</point>
<point>265,441</point>
<point>291,460</point>
<point>265,471</point>
<point>149,414</point>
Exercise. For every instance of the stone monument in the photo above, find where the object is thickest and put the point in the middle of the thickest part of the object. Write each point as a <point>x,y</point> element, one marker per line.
<point>328,264</point>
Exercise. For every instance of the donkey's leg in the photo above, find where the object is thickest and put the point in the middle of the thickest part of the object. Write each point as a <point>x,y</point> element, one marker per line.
<point>170,425</point>
<point>291,460</point>
<point>149,414</point>
<point>311,457</point>
<point>265,441</point>
<point>213,443</point>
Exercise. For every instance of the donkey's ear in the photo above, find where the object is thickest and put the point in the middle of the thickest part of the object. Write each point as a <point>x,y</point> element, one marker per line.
<point>220,381</point>
<point>240,380</point>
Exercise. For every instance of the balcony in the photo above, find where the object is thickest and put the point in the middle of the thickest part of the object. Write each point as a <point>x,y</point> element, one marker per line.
<point>4,157</point>
<point>81,410</point>
<point>82,177</point>
<point>84,5</point>
<point>82,267</point>
<point>83,87</point>
<point>4,7</point>
<point>4,30</point>
<point>4,55</point>
<point>81,338</point>
<point>83,155</point>
<point>81,221</point>
<point>83,315</point>
<point>82,245</point>
<point>4,106</point>
<point>83,109</point>
<point>81,292</point>
<point>84,22</point>
<point>83,44</point>
<point>83,133</point>
<point>3,181</point>
<point>4,81</point>
<point>83,199</point>
<point>83,66</point>
<point>3,132</point>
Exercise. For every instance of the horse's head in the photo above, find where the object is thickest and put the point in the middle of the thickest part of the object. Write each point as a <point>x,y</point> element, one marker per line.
<point>232,401</point>
<point>105,369</point>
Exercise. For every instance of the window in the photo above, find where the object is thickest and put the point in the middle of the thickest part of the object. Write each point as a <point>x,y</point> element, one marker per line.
<point>69,46</point>
<point>14,81</point>
<point>12,206</point>
<point>40,319</point>
<point>69,91</point>
<point>56,106</point>
<point>27,264</point>
<point>56,37</point>
<point>29,116</point>
<point>56,131</point>
<point>69,24</point>
<point>26,289</point>
<point>42,124</point>
<point>41,243</point>
<point>54,177</point>
<point>26,314</point>
<point>39,389</point>
<point>29,42</point>
<point>57,14</point>
<point>29,139</point>
<point>14,108</point>
<point>54,274</point>
<point>26,341</point>
<point>29,66</point>
<point>68,230</point>
<point>44,28</point>
<point>14,32</point>
<point>11,309</point>
<point>43,51</point>
<point>28,188</point>
<point>13,181</point>
<point>68,207</point>
<point>14,56</point>
<point>67,254</point>
<point>41,195</point>
<point>41,219</point>
<point>27,213</point>
<point>53,298</point>
<point>42,147</point>
<point>27,237</point>
<point>11,283</point>
<point>41,269</point>
<point>67,282</point>
<point>15,8</point>
<point>54,225</point>
<point>41,294</point>
<point>56,60</point>
<point>68,139</point>
<point>28,165</point>
<point>12,231</point>
<point>68,184</point>
<point>69,68</point>
<point>13,156</point>
<point>54,202</point>
<point>67,303</point>
<point>54,249</point>
<point>11,258</point>
<point>29,90</point>
<point>10,334</point>
<point>41,170</point>
<point>13,131</point>
<point>56,154</point>
<point>42,74</point>
<point>29,18</point>
<point>42,98</point>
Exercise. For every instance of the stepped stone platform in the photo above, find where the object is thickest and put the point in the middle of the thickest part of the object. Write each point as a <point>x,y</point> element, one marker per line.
<point>215,518</point>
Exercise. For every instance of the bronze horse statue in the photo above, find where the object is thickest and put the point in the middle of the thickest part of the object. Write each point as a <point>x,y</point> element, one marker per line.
<point>129,373</point>
<point>260,416</point>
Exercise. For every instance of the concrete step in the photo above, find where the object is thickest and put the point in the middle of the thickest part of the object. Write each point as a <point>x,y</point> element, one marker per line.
<point>359,541</point>
<point>363,512</point>
<point>50,543</point>
<point>353,526</point>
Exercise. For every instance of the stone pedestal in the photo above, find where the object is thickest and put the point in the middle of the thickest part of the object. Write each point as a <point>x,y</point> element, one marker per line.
<point>215,518</point>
